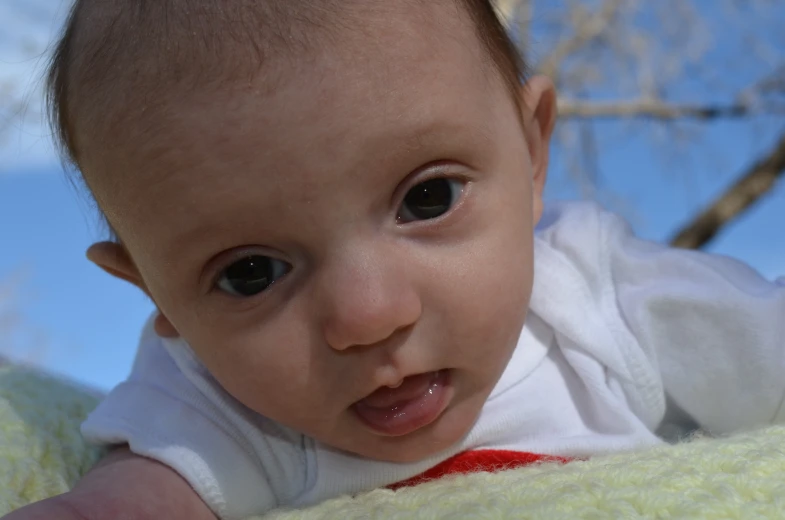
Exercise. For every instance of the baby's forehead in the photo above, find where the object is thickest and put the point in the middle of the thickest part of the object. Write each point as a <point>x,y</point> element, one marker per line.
<point>325,99</point>
<point>124,62</point>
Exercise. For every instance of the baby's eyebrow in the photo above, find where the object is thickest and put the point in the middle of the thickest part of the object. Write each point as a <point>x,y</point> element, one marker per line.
<point>439,133</point>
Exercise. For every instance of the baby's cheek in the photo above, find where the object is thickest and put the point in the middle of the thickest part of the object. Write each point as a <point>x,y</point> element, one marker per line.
<point>487,296</point>
<point>501,309</point>
<point>507,288</point>
<point>256,365</point>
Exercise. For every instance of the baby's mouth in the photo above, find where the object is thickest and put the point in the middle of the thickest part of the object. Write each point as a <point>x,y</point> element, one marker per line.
<point>414,403</point>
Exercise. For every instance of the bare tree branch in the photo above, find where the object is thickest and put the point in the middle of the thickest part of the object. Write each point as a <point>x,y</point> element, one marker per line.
<point>774,82</point>
<point>750,187</point>
<point>507,8</point>
<point>517,15</point>
<point>580,109</point>
<point>588,28</point>
<point>10,107</point>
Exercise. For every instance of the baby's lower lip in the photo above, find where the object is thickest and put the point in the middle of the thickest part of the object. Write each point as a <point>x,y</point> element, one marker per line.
<point>416,403</point>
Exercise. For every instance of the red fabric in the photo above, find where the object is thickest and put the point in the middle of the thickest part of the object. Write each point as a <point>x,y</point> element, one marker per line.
<point>477,461</point>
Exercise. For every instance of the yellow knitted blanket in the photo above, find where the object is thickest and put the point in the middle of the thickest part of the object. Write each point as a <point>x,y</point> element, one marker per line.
<point>741,477</point>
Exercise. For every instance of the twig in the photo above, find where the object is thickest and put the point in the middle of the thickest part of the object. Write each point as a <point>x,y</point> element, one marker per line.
<point>579,109</point>
<point>752,185</point>
<point>587,30</point>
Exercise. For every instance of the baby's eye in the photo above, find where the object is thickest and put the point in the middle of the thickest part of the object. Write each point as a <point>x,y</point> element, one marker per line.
<point>251,275</point>
<point>430,199</point>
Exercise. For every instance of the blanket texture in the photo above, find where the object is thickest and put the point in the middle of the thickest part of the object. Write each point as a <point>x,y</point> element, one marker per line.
<point>741,477</point>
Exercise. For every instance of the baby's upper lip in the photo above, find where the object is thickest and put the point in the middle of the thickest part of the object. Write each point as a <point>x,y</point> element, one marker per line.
<point>398,383</point>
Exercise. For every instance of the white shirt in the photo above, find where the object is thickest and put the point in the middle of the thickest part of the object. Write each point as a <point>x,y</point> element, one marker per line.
<point>623,337</point>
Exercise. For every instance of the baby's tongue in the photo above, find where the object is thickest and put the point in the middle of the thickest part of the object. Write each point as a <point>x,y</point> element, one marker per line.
<point>412,387</point>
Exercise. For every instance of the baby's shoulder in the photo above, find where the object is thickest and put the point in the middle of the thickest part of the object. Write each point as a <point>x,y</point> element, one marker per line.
<point>579,224</point>
<point>580,238</point>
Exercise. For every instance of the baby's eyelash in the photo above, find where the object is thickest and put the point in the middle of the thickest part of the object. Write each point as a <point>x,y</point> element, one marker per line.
<point>430,199</point>
<point>251,275</point>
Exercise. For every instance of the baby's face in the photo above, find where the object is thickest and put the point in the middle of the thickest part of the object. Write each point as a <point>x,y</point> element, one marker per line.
<point>364,221</point>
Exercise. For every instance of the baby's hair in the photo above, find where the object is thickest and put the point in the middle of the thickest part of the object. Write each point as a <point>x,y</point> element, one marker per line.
<point>118,59</point>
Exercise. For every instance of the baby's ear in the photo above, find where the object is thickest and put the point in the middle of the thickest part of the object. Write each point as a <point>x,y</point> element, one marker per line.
<point>539,106</point>
<point>115,260</point>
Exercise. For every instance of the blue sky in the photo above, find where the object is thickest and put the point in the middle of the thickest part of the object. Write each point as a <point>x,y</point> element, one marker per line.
<point>72,318</point>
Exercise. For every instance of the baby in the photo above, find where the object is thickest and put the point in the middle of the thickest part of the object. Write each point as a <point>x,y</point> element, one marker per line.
<point>333,205</point>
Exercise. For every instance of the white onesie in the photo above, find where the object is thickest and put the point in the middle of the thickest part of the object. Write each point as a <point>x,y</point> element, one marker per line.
<point>623,338</point>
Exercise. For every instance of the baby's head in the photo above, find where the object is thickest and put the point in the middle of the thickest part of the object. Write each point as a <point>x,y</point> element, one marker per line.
<point>323,197</point>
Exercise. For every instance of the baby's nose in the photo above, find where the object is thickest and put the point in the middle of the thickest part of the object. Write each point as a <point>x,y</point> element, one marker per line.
<point>366,301</point>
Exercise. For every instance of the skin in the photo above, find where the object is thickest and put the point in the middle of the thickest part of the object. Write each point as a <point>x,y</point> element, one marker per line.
<point>313,173</point>
<point>122,486</point>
